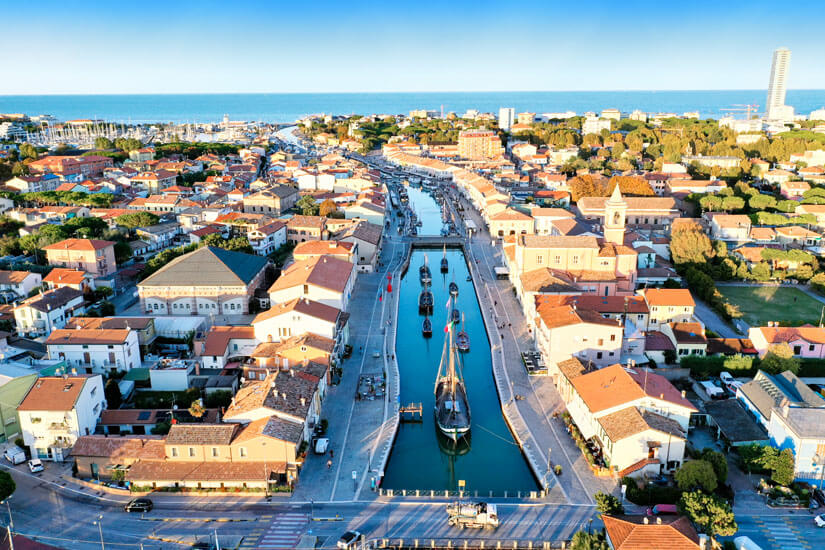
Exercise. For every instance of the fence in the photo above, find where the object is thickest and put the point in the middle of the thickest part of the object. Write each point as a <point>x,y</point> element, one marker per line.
<point>446,494</point>
<point>468,544</point>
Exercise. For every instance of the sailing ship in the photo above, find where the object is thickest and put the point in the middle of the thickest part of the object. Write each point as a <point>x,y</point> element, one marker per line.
<point>462,339</point>
<point>445,265</point>
<point>424,274</point>
<point>452,408</point>
<point>427,327</point>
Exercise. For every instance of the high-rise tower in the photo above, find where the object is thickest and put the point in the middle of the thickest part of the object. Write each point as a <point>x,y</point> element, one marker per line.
<point>775,107</point>
<point>505,118</point>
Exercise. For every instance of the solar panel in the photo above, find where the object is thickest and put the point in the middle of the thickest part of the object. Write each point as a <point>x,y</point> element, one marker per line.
<point>144,415</point>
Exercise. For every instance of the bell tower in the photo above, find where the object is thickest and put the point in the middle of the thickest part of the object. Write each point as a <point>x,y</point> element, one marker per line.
<point>615,212</point>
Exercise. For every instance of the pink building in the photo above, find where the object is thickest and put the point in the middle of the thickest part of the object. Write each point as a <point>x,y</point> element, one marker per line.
<point>807,342</point>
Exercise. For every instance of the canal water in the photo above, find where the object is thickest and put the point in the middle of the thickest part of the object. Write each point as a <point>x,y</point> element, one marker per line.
<point>427,210</point>
<point>487,459</point>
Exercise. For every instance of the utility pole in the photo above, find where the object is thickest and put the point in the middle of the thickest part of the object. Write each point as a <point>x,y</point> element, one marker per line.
<point>99,524</point>
<point>8,507</point>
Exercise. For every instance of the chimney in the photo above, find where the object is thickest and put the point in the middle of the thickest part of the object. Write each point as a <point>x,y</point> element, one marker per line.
<point>291,372</point>
<point>283,394</point>
<point>658,520</point>
<point>303,401</point>
<point>683,394</point>
<point>645,520</point>
<point>786,407</point>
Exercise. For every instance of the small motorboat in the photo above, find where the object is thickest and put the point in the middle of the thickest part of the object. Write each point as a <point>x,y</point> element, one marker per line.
<point>427,327</point>
<point>453,289</point>
<point>462,339</point>
<point>445,265</point>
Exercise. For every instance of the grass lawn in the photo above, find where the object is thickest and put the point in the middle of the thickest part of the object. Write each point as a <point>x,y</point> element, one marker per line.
<point>760,304</point>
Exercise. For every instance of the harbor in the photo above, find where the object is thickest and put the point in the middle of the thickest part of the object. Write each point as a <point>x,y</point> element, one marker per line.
<point>422,456</point>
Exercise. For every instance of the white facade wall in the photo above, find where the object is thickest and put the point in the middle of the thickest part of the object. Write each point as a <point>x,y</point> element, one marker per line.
<point>99,356</point>
<point>289,324</point>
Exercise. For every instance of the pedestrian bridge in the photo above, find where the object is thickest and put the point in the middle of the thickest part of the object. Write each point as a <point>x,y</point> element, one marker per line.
<point>433,241</point>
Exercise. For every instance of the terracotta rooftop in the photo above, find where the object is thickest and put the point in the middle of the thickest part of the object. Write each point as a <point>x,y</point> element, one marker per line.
<point>565,315</point>
<point>301,305</point>
<point>688,333</point>
<point>13,277</point>
<point>79,244</point>
<point>186,471</point>
<point>631,533</point>
<point>217,338</point>
<point>126,447</point>
<point>201,434</point>
<point>65,276</point>
<point>54,393</point>
<point>614,385</point>
<point>633,420</point>
<point>664,297</point>
<point>778,335</point>
<point>87,336</point>
<point>323,271</point>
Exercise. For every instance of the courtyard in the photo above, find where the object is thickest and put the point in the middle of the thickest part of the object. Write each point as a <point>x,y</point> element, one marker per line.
<point>785,304</point>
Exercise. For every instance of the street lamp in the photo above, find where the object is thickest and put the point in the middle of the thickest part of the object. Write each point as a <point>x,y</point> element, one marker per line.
<point>99,524</point>
<point>8,507</point>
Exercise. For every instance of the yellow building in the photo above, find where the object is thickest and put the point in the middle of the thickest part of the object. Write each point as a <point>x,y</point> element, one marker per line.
<point>479,145</point>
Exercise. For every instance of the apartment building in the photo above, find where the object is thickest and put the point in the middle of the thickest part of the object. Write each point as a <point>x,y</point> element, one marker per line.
<point>90,255</point>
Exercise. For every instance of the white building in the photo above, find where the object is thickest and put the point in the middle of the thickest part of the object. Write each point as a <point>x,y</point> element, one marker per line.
<point>776,108</point>
<point>21,283</point>
<point>297,317</point>
<point>323,279</point>
<point>102,351</point>
<point>46,312</point>
<point>594,125</point>
<point>57,410</point>
<point>506,116</point>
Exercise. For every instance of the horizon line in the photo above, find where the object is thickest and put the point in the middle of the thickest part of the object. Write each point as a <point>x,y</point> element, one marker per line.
<point>57,94</point>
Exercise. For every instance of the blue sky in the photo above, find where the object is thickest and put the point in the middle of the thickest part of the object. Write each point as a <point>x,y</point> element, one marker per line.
<point>449,45</point>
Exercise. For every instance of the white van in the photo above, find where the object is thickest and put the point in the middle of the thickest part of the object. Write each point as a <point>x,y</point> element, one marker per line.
<point>745,543</point>
<point>15,455</point>
<point>712,390</point>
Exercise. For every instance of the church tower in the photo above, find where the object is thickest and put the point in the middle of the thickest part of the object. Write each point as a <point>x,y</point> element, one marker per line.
<point>615,212</point>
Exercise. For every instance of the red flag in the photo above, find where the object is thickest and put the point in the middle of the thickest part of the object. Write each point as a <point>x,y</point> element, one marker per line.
<point>389,287</point>
<point>380,296</point>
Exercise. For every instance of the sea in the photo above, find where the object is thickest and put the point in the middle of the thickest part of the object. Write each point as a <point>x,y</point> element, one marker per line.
<point>286,108</point>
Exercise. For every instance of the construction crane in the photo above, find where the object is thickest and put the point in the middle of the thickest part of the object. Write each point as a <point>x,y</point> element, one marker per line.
<point>743,108</point>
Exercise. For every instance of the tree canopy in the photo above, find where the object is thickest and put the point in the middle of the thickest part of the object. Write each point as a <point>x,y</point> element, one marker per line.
<point>711,514</point>
<point>696,474</point>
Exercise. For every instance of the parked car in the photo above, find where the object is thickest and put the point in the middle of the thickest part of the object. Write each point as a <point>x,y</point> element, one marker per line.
<point>139,505</point>
<point>820,520</point>
<point>35,465</point>
<point>15,455</point>
<point>321,445</point>
<point>349,540</point>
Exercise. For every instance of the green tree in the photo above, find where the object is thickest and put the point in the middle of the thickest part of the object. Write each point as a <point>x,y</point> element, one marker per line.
<point>717,459</point>
<point>104,143</point>
<point>710,513</point>
<point>761,272</point>
<point>586,541</point>
<point>28,151</point>
<point>783,468</point>
<point>137,219</point>
<point>238,244</point>
<point>780,358</point>
<point>696,474</point>
<point>690,247</point>
<point>114,399</point>
<point>7,485</point>
<point>608,504</point>
<point>307,206</point>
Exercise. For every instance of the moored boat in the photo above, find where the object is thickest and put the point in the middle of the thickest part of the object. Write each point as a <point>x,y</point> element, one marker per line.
<point>425,301</point>
<point>424,274</point>
<point>427,327</point>
<point>453,289</point>
<point>452,407</point>
<point>462,339</point>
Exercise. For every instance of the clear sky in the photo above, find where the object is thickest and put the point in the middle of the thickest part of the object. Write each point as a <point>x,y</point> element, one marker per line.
<point>182,46</point>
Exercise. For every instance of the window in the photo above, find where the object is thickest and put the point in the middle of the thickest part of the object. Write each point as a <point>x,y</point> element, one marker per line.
<point>811,347</point>
<point>574,260</point>
<point>612,337</point>
<point>215,452</point>
<point>191,451</point>
<point>557,259</point>
<point>539,260</point>
<point>93,392</point>
<point>599,355</point>
<point>601,341</point>
<point>242,451</point>
<point>174,451</point>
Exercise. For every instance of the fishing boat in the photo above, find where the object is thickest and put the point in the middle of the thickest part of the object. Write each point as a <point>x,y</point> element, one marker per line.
<point>427,327</point>
<point>424,274</point>
<point>452,408</point>
<point>462,339</point>
<point>445,265</point>
<point>425,301</point>
<point>455,316</point>
<point>453,289</point>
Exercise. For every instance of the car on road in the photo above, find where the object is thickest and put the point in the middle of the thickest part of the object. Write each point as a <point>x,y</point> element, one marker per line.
<point>349,540</point>
<point>139,505</point>
<point>35,465</point>
<point>820,520</point>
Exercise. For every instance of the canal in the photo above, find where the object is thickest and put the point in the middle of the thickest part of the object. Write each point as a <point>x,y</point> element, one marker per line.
<point>427,210</point>
<point>488,459</point>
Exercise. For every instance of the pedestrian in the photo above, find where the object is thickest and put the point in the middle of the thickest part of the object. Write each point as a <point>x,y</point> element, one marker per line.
<point>329,464</point>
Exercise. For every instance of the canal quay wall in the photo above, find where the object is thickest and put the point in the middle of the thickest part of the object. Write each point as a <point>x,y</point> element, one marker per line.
<point>512,416</point>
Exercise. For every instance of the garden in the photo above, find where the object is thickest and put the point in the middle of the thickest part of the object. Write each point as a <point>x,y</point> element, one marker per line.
<point>760,304</point>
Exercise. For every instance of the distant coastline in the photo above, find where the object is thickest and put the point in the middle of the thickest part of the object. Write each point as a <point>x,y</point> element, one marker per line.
<point>181,108</point>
